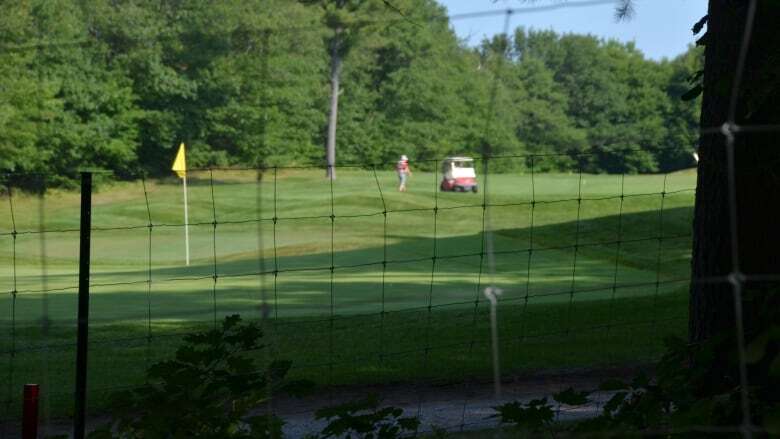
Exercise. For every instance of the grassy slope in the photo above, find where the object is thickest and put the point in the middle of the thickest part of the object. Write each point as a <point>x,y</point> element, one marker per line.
<point>559,310</point>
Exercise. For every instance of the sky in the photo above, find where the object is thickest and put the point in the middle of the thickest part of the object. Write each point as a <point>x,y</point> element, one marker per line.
<point>659,28</point>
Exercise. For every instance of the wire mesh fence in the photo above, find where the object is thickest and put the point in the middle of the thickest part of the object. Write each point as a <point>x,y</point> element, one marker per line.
<point>359,285</point>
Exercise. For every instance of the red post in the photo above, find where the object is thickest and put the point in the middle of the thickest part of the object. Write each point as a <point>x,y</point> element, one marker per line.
<point>30,413</point>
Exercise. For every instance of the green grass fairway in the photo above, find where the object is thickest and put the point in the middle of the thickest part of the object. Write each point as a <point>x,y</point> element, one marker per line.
<point>585,278</point>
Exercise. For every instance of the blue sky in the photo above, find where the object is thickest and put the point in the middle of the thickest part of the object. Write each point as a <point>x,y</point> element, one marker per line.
<point>660,28</point>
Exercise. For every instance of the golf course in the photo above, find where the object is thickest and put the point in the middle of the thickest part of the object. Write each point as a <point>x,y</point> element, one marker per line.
<point>358,283</point>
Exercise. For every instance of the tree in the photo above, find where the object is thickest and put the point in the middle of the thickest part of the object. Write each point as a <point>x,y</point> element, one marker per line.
<point>229,78</point>
<point>61,107</point>
<point>682,117</point>
<point>614,100</point>
<point>18,111</point>
<point>342,18</point>
<point>543,124</point>
<point>117,85</point>
<point>718,261</point>
<point>346,19</point>
<point>500,107</point>
<point>721,265</point>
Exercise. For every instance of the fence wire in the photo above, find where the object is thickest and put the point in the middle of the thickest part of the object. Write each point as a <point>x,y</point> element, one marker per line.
<point>417,339</point>
<point>399,332</point>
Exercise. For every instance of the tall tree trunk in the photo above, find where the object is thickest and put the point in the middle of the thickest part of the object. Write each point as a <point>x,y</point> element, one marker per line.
<point>262,153</point>
<point>756,163</point>
<point>335,77</point>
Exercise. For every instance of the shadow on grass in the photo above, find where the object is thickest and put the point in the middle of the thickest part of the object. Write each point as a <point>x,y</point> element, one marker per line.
<point>411,327</point>
<point>441,345</point>
<point>601,251</point>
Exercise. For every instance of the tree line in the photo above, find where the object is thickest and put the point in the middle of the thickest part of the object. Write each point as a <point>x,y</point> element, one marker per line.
<point>119,84</point>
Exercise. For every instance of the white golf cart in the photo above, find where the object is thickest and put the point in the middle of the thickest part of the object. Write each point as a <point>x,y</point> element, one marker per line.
<point>458,174</point>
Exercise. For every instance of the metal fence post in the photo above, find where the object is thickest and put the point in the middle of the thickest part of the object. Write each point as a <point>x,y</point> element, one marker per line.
<point>83,313</point>
<point>30,412</point>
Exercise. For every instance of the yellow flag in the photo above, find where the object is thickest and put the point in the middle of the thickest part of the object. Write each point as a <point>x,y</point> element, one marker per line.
<point>180,164</point>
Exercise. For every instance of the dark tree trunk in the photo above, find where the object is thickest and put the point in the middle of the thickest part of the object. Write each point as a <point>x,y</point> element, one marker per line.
<point>757,171</point>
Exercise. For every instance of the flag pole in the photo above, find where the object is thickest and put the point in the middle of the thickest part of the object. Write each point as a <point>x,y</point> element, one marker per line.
<point>180,167</point>
<point>186,224</point>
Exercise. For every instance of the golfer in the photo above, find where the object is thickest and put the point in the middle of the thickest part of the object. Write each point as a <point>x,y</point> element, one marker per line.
<point>403,172</point>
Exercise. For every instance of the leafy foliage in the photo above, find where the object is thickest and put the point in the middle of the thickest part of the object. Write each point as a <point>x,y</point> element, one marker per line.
<point>693,386</point>
<point>571,397</point>
<point>364,418</point>
<point>532,416</point>
<point>207,391</point>
<point>118,85</point>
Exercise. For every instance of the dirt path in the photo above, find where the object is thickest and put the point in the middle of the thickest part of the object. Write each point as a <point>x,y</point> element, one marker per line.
<point>454,407</point>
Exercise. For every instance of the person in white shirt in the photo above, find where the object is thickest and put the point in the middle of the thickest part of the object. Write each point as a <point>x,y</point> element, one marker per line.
<point>402,168</point>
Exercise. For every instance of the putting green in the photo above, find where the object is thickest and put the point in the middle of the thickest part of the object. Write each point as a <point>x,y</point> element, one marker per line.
<point>573,246</point>
<point>570,254</point>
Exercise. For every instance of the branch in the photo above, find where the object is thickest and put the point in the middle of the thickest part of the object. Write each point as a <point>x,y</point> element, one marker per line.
<point>625,10</point>
<point>400,12</point>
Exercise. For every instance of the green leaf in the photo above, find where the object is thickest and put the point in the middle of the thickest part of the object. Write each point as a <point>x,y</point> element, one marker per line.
<point>700,24</point>
<point>209,388</point>
<point>410,423</point>
<point>693,93</point>
<point>230,322</point>
<point>615,402</point>
<point>696,76</point>
<point>612,385</point>
<point>532,415</point>
<point>571,397</point>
